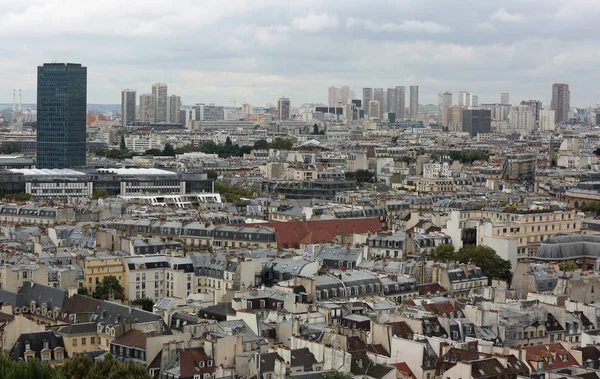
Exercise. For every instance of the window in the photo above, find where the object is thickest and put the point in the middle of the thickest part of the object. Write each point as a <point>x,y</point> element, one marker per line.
<point>92,340</point>
<point>249,305</point>
<point>74,342</point>
<point>209,363</point>
<point>59,356</point>
<point>83,341</point>
<point>46,357</point>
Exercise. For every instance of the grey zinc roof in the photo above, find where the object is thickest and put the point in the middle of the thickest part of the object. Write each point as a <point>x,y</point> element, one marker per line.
<point>570,246</point>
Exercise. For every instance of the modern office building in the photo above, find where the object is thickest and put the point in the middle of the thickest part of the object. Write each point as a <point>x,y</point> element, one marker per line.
<point>464,99</point>
<point>504,98</point>
<point>284,108</point>
<point>159,98</point>
<point>400,102</point>
<point>367,96</point>
<point>338,95</point>
<point>174,107</point>
<point>414,101</point>
<point>61,115</point>
<point>128,99</point>
<point>561,102</point>
<point>476,121</point>
<point>146,108</point>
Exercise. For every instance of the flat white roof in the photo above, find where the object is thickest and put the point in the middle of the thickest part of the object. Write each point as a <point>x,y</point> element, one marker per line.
<point>137,171</point>
<point>47,172</point>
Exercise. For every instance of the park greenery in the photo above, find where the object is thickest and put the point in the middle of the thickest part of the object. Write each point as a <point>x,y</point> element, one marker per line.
<point>10,147</point>
<point>145,303</point>
<point>485,257</point>
<point>79,367</point>
<point>591,207</point>
<point>361,176</point>
<point>99,193</point>
<point>468,157</point>
<point>232,193</point>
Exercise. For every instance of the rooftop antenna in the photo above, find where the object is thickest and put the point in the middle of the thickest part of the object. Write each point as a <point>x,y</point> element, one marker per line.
<point>20,104</point>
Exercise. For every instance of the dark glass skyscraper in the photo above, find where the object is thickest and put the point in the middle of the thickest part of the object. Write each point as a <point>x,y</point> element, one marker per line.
<point>61,115</point>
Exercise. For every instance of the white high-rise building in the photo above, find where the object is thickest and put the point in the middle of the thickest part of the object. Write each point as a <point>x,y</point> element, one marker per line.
<point>146,108</point>
<point>547,119</point>
<point>400,102</point>
<point>159,98</point>
<point>392,101</point>
<point>474,101</point>
<point>174,108</point>
<point>464,99</point>
<point>414,101</point>
<point>504,98</point>
<point>374,109</point>
<point>339,95</point>
<point>521,118</point>
<point>444,99</point>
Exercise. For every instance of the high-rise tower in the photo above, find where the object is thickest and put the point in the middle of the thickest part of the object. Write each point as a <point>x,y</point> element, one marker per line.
<point>61,115</point>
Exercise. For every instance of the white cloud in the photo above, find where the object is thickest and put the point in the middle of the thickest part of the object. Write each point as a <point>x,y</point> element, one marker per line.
<point>485,27</point>
<point>503,15</point>
<point>413,26</point>
<point>315,22</point>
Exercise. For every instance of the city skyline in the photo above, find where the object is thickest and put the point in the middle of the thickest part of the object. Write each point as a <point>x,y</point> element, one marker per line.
<point>505,47</point>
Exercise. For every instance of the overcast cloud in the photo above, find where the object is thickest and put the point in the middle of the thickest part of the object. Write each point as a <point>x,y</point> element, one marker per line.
<point>258,50</point>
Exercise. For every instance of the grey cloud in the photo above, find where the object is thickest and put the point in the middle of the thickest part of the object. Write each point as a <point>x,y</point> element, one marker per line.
<point>220,50</point>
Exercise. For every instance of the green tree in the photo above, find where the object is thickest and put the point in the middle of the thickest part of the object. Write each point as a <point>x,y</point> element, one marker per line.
<point>22,196</point>
<point>10,147</point>
<point>394,140</point>
<point>361,176</point>
<point>315,129</point>
<point>233,193</point>
<point>568,266</point>
<point>261,145</point>
<point>228,142</point>
<point>335,375</point>
<point>168,151</point>
<point>82,366</point>
<point>24,370</point>
<point>99,193</point>
<point>106,286</point>
<point>211,174</point>
<point>443,253</point>
<point>281,144</point>
<point>145,303</point>
<point>154,152</point>
<point>122,145</point>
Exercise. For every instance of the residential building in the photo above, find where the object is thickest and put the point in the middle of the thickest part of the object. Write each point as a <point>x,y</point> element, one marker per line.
<point>367,96</point>
<point>414,101</point>
<point>146,108</point>
<point>160,102</point>
<point>504,98</point>
<point>61,120</point>
<point>174,107</point>
<point>128,106</point>
<point>522,119</point>
<point>378,95</point>
<point>392,100</point>
<point>100,266</point>
<point>374,109</point>
<point>400,103</point>
<point>156,276</point>
<point>547,120</point>
<point>46,347</point>
<point>561,102</point>
<point>284,108</point>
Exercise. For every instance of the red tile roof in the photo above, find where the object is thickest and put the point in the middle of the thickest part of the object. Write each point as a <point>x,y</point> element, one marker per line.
<point>555,351</point>
<point>133,338</point>
<point>403,368</point>
<point>290,234</point>
<point>189,360</point>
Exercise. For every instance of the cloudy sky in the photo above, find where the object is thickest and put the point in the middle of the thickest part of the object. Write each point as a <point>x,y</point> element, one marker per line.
<point>258,50</point>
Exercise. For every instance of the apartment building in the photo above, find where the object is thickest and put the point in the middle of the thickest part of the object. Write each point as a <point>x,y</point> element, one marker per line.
<point>156,276</point>
<point>242,236</point>
<point>100,266</point>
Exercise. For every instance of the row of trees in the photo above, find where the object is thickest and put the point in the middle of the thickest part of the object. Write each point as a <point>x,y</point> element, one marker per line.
<point>591,206</point>
<point>233,193</point>
<point>468,157</point>
<point>483,256</point>
<point>81,366</point>
<point>361,176</point>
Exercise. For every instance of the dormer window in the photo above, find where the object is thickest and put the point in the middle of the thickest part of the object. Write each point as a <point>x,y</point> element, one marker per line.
<point>209,363</point>
<point>45,344</point>
<point>201,364</point>
<point>27,346</point>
